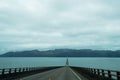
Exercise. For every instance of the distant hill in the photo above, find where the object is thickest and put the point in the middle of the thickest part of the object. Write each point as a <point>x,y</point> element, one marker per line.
<point>64,53</point>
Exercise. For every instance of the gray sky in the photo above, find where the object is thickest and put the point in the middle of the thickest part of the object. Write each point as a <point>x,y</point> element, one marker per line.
<point>50,24</point>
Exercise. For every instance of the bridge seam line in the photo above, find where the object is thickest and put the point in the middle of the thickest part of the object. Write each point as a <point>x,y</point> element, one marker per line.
<point>75,74</point>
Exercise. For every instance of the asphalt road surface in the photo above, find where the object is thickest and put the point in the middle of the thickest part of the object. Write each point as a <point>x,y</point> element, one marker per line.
<point>64,73</point>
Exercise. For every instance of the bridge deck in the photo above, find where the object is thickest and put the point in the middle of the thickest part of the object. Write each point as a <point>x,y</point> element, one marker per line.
<point>64,73</point>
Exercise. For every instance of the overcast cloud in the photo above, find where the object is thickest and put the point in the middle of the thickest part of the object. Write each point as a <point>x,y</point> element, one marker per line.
<point>51,24</point>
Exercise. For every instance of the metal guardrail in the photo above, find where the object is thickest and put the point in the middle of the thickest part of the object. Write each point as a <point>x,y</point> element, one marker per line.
<point>98,74</point>
<point>13,73</point>
<point>89,73</point>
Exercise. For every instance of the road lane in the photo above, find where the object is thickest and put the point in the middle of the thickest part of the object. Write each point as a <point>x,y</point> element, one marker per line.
<point>68,75</point>
<point>64,73</point>
<point>47,75</point>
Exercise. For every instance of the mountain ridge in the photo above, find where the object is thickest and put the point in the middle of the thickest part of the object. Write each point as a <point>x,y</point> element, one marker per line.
<point>64,53</point>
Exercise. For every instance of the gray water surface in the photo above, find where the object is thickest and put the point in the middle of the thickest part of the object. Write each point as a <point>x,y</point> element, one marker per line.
<point>103,63</point>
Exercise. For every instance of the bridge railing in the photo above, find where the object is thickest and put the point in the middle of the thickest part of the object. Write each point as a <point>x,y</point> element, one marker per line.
<point>98,74</point>
<point>12,73</point>
<point>111,74</point>
<point>16,70</point>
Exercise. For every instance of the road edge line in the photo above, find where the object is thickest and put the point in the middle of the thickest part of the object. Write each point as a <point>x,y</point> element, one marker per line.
<point>75,74</point>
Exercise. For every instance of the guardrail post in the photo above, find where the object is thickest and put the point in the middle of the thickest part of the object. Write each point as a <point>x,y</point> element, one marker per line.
<point>98,71</point>
<point>9,71</point>
<point>23,70</point>
<point>19,69</point>
<point>15,70</point>
<point>109,75</point>
<point>94,71</point>
<point>29,69</point>
<point>103,73</point>
<point>26,69</point>
<point>118,75</point>
<point>3,71</point>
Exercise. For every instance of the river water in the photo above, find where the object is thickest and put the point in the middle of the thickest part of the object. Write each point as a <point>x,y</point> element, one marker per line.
<point>102,63</point>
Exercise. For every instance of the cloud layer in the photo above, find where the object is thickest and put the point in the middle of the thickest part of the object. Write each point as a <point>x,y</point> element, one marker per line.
<point>50,24</point>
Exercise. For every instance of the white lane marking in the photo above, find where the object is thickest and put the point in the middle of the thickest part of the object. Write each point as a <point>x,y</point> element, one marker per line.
<point>76,74</point>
